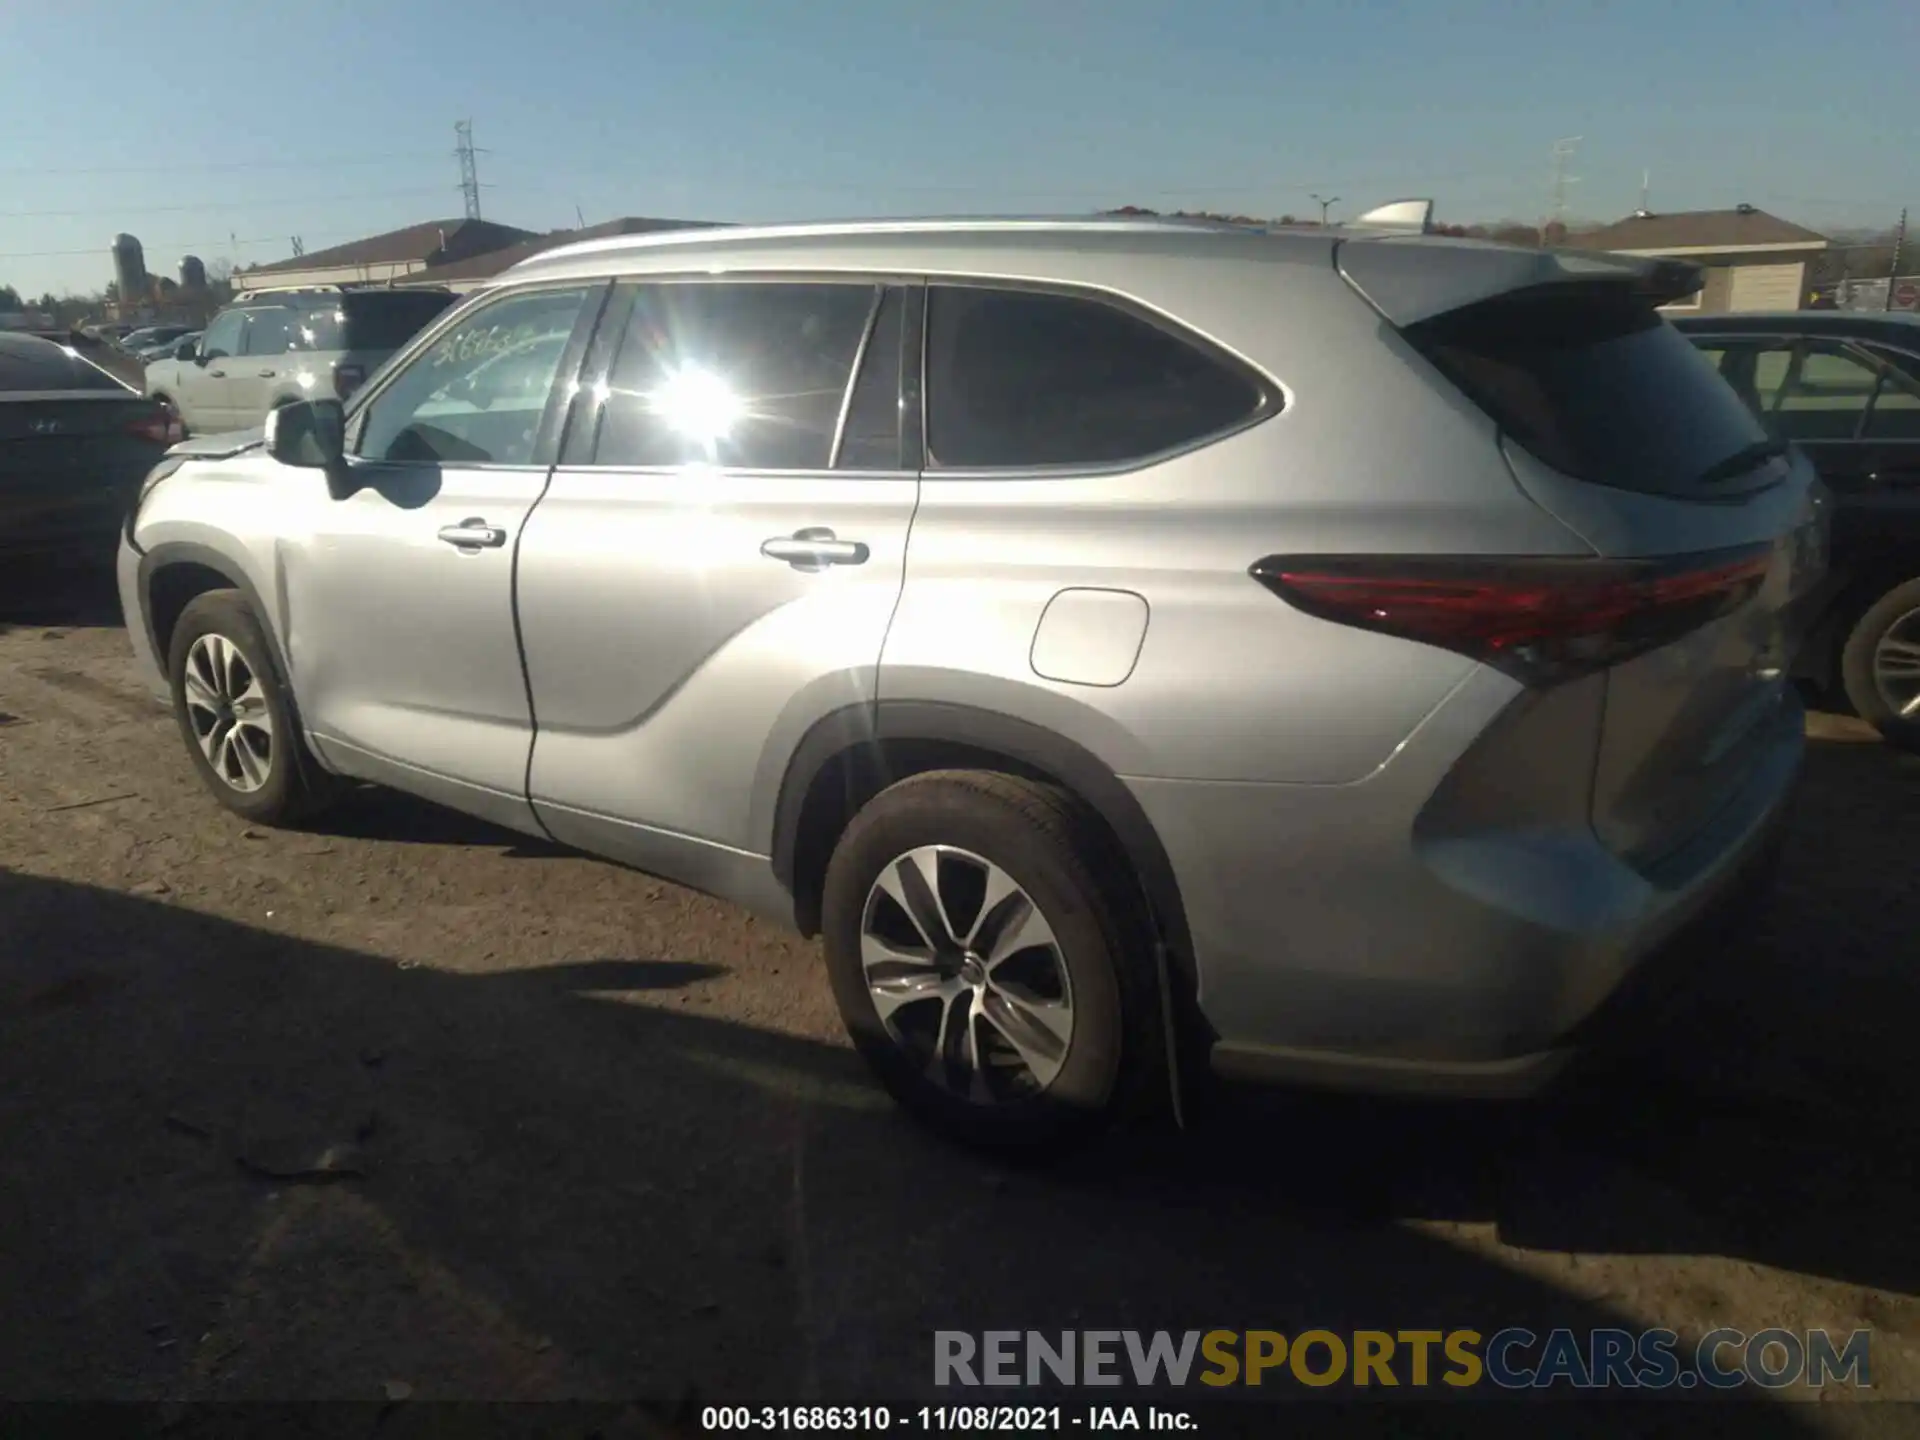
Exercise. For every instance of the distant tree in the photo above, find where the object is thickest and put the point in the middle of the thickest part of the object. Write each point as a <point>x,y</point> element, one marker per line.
<point>10,299</point>
<point>49,302</point>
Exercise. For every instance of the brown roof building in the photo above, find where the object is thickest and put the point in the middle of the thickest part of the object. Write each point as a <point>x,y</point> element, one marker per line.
<point>463,275</point>
<point>459,254</point>
<point>396,255</point>
<point>1752,260</point>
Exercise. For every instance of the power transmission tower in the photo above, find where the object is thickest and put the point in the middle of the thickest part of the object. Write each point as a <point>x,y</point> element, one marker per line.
<point>1562,153</point>
<point>299,246</point>
<point>1893,269</point>
<point>469,171</point>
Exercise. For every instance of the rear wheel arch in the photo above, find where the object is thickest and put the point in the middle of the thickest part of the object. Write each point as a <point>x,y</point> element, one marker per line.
<point>851,755</point>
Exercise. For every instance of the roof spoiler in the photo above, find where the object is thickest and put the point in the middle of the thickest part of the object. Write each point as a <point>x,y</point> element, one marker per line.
<point>1413,216</point>
<point>1409,283</point>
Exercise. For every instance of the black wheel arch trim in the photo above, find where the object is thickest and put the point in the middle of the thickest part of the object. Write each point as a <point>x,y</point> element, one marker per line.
<point>857,728</point>
<point>186,552</point>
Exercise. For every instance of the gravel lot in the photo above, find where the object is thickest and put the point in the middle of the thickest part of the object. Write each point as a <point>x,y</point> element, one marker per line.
<point>413,1100</point>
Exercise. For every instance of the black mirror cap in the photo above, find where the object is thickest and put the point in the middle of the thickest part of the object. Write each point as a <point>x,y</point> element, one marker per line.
<point>308,434</point>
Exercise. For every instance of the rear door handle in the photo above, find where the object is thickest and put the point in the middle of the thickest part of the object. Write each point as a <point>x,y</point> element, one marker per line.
<point>474,534</point>
<point>218,374</point>
<point>814,548</point>
<point>268,374</point>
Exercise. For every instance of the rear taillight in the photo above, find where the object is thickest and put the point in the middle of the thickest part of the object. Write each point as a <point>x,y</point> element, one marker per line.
<point>1542,621</point>
<point>347,379</point>
<point>159,427</point>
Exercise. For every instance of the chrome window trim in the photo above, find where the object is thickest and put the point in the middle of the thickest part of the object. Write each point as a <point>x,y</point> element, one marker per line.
<point>853,376</point>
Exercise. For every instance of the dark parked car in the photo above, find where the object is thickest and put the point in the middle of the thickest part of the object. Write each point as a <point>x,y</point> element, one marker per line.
<point>75,443</point>
<point>1845,386</point>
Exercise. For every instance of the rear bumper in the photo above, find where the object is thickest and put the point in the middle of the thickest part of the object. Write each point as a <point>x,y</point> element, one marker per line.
<point>1333,950</point>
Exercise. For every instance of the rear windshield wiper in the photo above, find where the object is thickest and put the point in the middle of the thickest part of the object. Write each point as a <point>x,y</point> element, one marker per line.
<point>1741,461</point>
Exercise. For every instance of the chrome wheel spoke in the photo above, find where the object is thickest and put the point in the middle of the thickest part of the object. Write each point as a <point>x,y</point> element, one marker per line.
<point>1023,927</point>
<point>1038,1030</point>
<point>913,883</point>
<point>956,1056</point>
<point>200,695</point>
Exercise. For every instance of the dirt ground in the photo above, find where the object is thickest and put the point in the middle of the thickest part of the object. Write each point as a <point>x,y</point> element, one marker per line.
<point>410,1101</point>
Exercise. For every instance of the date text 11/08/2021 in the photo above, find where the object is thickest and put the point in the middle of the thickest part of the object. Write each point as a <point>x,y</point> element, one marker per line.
<point>943,1419</point>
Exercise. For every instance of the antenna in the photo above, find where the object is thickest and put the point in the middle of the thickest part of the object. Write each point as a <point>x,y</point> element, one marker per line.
<point>469,171</point>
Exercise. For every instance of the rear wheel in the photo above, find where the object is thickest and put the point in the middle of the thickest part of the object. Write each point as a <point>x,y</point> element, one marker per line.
<point>992,978</point>
<point>236,717</point>
<point>165,401</point>
<point>1880,666</point>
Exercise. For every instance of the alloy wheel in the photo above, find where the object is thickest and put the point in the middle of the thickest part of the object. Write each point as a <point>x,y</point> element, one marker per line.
<point>1896,666</point>
<point>966,974</point>
<point>228,709</point>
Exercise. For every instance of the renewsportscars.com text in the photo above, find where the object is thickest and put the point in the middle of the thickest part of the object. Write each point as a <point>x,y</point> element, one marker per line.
<point>1512,1359</point>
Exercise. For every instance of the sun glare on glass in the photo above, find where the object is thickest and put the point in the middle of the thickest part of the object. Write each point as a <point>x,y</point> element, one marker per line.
<point>698,405</point>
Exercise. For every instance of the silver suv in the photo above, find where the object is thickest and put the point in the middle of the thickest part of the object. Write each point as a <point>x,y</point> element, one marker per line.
<point>272,347</point>
<point>1336,656</point>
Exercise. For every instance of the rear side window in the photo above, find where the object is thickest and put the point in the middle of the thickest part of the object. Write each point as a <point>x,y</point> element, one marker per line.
<point>1599,387</point>
<point>270,332</point>
<point>745,375</point>
<point>30,363</point>
<point>378,320</point>
<point>1018,378</point>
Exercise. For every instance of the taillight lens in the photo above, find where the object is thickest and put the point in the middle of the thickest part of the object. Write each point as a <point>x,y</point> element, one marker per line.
<point>161,427</point>
<point>347,379</point>
<point>1542,621</point>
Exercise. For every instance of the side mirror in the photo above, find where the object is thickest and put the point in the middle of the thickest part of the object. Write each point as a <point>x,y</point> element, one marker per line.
<point>187,350</point>
<point>311,435</point>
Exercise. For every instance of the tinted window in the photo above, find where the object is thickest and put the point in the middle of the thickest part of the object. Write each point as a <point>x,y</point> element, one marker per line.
<point>1016,378</point>
<point>382,319</point>
<point>1825,396</point>
<point>1598,386</point>
<point>30,363</point>
<point>744,375</point>
<point>223,335</point>
<point>870,440</point>
<point>269,332</point>
<point>1896,406</point>
<point>477,395</point>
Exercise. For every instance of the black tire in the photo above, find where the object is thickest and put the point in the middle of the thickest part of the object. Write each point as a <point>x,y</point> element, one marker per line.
<point>1900,607</point>
<point>1044,841</point>
<point>292,786</point>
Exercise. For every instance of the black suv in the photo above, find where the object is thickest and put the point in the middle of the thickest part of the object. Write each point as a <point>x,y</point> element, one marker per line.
<point>1845,386</point>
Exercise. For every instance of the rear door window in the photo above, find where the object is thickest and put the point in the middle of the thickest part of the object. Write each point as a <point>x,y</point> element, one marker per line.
<point>269,331</point>
<point>29,363</point>
<point>1599,386</point>
<point>743,375</point>
<point>1026,379</point>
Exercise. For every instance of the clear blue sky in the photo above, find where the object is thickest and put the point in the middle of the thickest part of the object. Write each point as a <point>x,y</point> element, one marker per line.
<point>224,128</point>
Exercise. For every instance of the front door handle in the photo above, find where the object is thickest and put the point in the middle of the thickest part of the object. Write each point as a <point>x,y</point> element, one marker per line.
<point>474,534</point>
<point>218,374</point>
<point>813,549</point>
<point>268,374</point>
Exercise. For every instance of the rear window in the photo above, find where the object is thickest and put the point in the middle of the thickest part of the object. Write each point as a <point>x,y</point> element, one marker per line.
<point>30,363</point>
<point>1599,387</point>
<point>381,320</point>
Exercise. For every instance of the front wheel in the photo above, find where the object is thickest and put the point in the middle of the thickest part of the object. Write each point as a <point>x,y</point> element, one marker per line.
<point>235,715</point>
<point>1880,666</point>
<point>983,967</point>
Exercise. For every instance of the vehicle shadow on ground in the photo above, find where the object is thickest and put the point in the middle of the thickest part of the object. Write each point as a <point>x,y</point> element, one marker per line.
<point>243,1165</point>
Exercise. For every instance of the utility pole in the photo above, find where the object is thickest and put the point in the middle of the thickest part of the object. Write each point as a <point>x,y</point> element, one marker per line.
<point>469,171</point>
<point>1893,271</point>
<point>1325,205</point>
<point>1562,153</point>
<point>1646,184</point>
